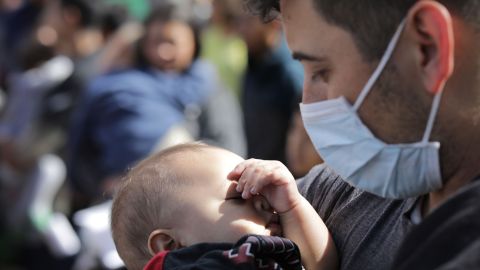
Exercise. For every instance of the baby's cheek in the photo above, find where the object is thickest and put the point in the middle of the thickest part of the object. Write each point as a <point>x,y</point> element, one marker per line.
<point>243,227</point>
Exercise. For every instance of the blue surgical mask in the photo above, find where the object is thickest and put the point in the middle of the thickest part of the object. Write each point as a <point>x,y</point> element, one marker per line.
<point>350,148</point>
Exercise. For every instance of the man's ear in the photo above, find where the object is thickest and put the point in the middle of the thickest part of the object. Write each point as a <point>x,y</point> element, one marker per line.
<point>161,240</point>
<point>432,26</point>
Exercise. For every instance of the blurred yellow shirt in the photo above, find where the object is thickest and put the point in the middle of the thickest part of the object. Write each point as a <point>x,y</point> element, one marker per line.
<point>228,53</point>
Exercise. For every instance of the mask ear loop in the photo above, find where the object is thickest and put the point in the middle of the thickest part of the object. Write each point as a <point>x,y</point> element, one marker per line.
<point>432,116</point>
<point>381,66</point>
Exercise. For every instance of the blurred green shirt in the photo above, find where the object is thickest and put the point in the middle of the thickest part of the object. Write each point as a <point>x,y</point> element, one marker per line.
<point>228,53</point>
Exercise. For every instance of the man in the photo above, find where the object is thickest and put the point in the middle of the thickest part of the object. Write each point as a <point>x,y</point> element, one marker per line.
<point>375,73</point>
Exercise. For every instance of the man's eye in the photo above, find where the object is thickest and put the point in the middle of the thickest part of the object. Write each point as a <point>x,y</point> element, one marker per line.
<point>320,75</point>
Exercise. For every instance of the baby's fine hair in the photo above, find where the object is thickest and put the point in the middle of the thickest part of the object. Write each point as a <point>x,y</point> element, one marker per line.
<point>146,201</point>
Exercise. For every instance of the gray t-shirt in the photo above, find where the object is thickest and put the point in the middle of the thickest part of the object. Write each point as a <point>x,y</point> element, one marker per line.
<point>367,229</point>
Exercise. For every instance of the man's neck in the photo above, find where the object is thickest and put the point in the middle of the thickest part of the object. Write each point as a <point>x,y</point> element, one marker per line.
<point>460,165</point>
<point>452,185</point>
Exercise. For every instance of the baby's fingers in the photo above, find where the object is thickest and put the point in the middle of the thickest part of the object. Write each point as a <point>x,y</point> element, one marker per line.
<point>247,181</point>
<point>257,186</point>
<point>254,178</point>
<point>237,173</point>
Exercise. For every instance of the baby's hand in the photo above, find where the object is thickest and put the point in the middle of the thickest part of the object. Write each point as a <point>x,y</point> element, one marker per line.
<point>268,178</point>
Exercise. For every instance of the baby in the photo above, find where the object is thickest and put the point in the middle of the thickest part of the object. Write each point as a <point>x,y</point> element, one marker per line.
<point>191,194</point>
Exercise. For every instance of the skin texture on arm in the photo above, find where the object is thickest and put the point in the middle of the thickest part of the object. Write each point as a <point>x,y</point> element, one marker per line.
<point>300,222</point>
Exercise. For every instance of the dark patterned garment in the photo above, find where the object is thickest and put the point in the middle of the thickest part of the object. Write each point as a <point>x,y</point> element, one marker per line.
<point>250,252</point>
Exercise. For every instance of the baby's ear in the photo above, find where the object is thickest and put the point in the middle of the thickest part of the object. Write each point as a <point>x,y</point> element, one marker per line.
<point>161,240</point>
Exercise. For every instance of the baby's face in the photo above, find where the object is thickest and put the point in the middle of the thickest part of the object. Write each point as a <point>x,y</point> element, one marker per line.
<point>215,211</point>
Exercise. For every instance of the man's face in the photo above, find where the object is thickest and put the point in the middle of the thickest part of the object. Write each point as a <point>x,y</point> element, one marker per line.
<point>333,65</point>
<point>215,211</point>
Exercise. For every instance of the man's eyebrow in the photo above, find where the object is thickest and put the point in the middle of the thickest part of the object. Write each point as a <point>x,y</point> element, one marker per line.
<point>300,56</point>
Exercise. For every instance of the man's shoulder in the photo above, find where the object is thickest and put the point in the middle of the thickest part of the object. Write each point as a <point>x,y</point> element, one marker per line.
<point>322,185</point>
<point>326,191</point>
<point>366,228</point>
<point>323,182</point>
<point>468,259</point>
<point>448,236</point>
<point>320,176</point>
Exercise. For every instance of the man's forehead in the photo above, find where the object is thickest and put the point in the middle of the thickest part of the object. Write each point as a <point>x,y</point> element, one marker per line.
<point>291,9</point>
<point>309,35</point>
<point>302,14</point>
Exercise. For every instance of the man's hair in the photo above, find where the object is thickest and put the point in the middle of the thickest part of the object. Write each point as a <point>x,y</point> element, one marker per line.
<point>371,23</point>
<point>146,201</point>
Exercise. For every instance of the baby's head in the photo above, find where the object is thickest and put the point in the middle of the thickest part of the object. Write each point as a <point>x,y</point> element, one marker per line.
<point>181,197</point>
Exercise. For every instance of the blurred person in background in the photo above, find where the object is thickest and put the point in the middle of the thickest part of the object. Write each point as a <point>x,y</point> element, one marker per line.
<point>80,29</point>
<point>50,59</point>
<point>17,21</point>
<point>271,84</point>
<point>43,77</point>
<point>223,47</point>
<point>170,96</point>
<point>31,132</point>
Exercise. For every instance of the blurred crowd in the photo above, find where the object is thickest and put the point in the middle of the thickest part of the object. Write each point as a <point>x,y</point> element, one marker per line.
<point>88,88</point>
